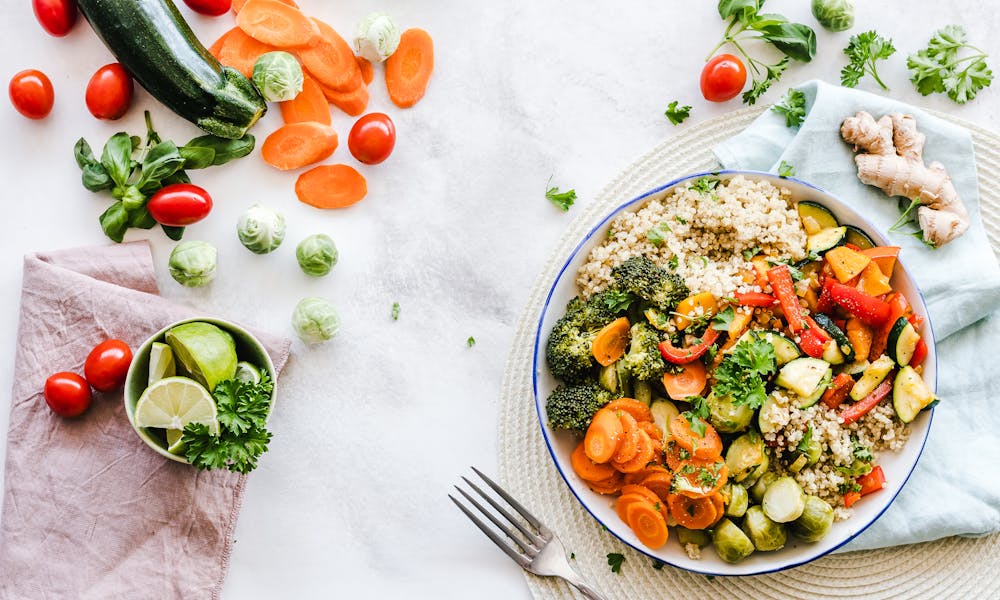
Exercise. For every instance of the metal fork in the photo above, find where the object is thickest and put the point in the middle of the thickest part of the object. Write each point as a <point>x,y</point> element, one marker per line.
<point>537,550</point>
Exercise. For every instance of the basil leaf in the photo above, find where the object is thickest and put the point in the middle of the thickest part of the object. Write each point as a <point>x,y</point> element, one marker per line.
<point>141,218</point>
<point>225,149</point>
<point>197,157</point>
<point>178,177</point>
<point>743,9</point>
<point>162,161</point>
<point>767,20</point>
<point>95,178</point>
<point>796,40</point>
<point>117,158</point>
<point>133,198</point>
<point>83,154</point>
<point>114,221</point>
<point>174,233</point>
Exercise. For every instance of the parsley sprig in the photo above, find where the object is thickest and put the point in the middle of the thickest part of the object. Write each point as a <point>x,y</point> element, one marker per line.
<point>677,114</point>
<point>862,51</point>
<point>698,414</point>
<point>563,200</point>
<point>792,107</point>
<point>940,67</point>
<point>786,170</point>
<point>742,372</point>
<point>615,560</point>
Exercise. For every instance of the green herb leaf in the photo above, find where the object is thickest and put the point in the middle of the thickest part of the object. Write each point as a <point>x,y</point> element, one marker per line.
<point>133,198</point>
<point>395,311</point>
<point>174,233</point>
<point>618,301</point>
<point>749,253</point>
<point>677,114</point>
<point>860,451</point>
<point>795,40</point>
<point>243,437</point>
<point>162,161</point>
<point>806,441</point>
<point>705,185</point>
<point>114,221</point>
<point>655,235</point>
<point>470,342</point>
<point>83,154</point>
<point>862,51</point>
<point>722,320</point>
<point>742,373</point>
<point>672,262</point>
<point>117,158</point>
<point>141,219</point>
<point>793,107</point>
<point>760,86</point>
<point>95,177</point>
<point>224,149</point>
<point>786,170</point>
<point>941,68</point>
<point>743,10</point>
<point>563,200</point>
<point>615,560</point>
<point>196,157</point>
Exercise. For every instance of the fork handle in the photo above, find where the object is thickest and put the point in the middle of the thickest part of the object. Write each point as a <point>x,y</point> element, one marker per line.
<point>586,590</point>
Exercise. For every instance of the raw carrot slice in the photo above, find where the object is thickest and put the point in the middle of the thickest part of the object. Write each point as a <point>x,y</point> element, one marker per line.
<point>240,51</point>
<point>629,445</point>
<point>408,70</point>
<point>609,343</point>
<point>353,102</point>
<point>693,513</point>
<point>587,469</point>
<point>603,436</point>
<point>659,483</point>
<point>331,60</point>
<point>706,446</point>
<point>611,485</point>
<point>298,145</point>
<point>276,23</point>
<point>639,411</point>
<point>331,186</point>
<point>648,524</point>
<point>238,4</point>
<point>309,105</point>
<point>367,70</point>
<point>647,450</point>
<point>216,48</point>
<point>689,381</point>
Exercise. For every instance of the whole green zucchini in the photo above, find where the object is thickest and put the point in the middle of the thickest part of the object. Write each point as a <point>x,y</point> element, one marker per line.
<point>154,43</point>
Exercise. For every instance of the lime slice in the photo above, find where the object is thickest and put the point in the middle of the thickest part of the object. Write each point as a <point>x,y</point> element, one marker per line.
<point>205,352</point>
<point>161,362</point>
<point>173,402</point>
<point>247,372</point>
<point>174,443</point>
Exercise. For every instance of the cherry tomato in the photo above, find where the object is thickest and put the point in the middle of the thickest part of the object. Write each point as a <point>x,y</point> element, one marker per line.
<point>109,93</point>
<point>56,16</point>
<point>107,364</point>
<point>179,205</point>
<point>723,78</point>
<point>212,8</point>
<point>31,93</point>
<point>67,394</point>
<point>372,138</point>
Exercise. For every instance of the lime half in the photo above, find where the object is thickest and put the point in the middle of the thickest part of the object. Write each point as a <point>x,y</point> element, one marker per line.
<point>205,352</point>
<point>247,372</point>
<point>161,362</point>
<point>173,402</point>
<point>174,443</point>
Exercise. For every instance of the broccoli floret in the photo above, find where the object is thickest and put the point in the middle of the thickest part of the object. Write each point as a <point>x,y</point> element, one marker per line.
<point>602,308</point>
<point>640,276</point>
<point>573,406</point>
<point>568,351</point>
<point>643,360</point>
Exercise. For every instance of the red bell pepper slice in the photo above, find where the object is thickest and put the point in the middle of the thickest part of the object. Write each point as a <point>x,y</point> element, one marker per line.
<point>824,304</point>
<point>682,356</point>
<point>812,343</point>
<point>850,498</point>
<point>898,307</point>
<point>873,481</point>
<point>871,310</point>
<point>919,353</point>
<point>840,387</point>
<point>755,299</point>
<point>859,409</point>
<point>783,288</point>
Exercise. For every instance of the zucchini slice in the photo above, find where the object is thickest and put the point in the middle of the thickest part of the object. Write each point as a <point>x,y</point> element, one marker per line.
<point>826,239</point>
<point>818,213</point>
<point>873,375</point>
<point>858,238</point>
<point>902,341</point>
<point>785,349</point>
<point>910,394</point>
<point>838,336</point>
<point>817,393</point>
<point>803,375</point>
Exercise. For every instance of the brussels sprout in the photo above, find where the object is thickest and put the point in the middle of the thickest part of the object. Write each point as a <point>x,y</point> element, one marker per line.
<point>738,501</point>
<point>834,15</point>
<point>608,378</point>
<point>317,254</point>
<point>699,537</point>
<point>744,455</point>
<point>261,230</point>
<point>376,37</point>
<point>759,472</point>
<point>642,391</point>
<point>760,487</point>
<point>727,416</point>
<point>193,263</point>
<point>815,521</point>
<point>278,76</point>
<point>762,531</point>
<point>731,544</point>
<point>315,320</point>
<point>784,500</point>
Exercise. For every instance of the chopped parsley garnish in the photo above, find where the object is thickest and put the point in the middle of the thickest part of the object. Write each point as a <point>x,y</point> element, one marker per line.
<point>749,253</point>
<point>697,415</point>
<point>563,200</point>
<point>705,184</point>
<point>806,441</point>
<point>792,106</point>
<point>672,262</point>
<point>741,374</point>
<point>470,342</point>
<point>618,301</point>
<point>861,452</point>
<point>722,320</point>
<point>680,219</point>
<point>395,311</point>
<point>677,114</point>
<point>615,560</point>
<point>655,235</point>
<point>786,170</point>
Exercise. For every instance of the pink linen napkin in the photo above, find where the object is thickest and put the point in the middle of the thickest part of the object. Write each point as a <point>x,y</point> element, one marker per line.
<point>89,511</point>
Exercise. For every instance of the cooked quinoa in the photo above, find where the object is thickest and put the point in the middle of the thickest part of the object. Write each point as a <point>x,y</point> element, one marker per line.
<point>703,235</point>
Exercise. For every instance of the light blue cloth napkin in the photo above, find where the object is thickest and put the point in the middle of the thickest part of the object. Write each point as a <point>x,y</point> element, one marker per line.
<point>955,488</point>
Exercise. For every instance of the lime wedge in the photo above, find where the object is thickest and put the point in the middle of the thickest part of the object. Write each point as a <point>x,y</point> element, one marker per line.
<point>173,402</point>
<point>161,362</point>
<point>205,352</point>
<point>247,372</point>
<point>174,443</point>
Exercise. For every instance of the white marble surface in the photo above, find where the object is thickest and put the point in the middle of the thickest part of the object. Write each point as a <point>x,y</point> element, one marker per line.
<point>374,427</point>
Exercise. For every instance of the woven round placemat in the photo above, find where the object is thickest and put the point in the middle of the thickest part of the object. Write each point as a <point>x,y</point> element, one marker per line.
<point>952,567</point>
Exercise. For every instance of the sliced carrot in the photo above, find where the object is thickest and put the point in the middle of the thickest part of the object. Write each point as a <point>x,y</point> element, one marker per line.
<point>627,499</point>
<point>647,450</point>
<point>240,51</point>
<point>648,524</point>
<point>720,506</point>
<point>408,70</point>
<point>353,102</point>
<point>652,430</point>
<point>641,490</point>
<point>860,336</point>
<point>238,4</point>
<point>277,24</point>
<point>693,513</point>
<point>309,105</point>
<point>331,186</point>
<point>659,483</point>
<point>688,381</point>
<point>611,485</point>
<point>639,411</point>
<point>637,477</point>
<point>331,60</point>
<point>609,343</point>
<point>367,70</point>
<point>603,436</point>
<point>216,48</point>
<point>587,469</point>
<point>701,478</point>
<point>674,455</point>
<point>707,446</point>
<point>629,445</point>
<point>299,144</point>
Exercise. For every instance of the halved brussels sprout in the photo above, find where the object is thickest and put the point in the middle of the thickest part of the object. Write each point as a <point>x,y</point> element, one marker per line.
<point>278,76</point>
<point>744,455</point>
<point>763,532</point>
<point>731,544</point>
<point>739,499</point>
<point>784,500</point>
<point>761,485</point>
<point>192,263</point>
<point>815,521</point>
<point>642,391</point>
<point>687,536</point>
<point>727,416</point>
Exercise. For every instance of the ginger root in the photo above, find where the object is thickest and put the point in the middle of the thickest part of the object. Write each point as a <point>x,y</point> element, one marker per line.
<point>893,161</point>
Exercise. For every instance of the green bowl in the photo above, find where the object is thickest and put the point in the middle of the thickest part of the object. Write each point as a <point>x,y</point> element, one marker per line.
<point>248,348</point>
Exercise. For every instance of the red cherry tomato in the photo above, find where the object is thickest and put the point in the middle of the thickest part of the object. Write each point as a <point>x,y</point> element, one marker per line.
<point>107,364</point>
<point>109,93</point>
<point>723,78</point>
<point>31,94</point>
<point>179,205</point>
<point>212,8</point>
<point>56,16</point>
<point>372,138</point>
<point>67,394</point>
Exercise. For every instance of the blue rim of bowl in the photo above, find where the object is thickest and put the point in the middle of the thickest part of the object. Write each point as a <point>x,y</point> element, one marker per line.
<point>867,226</point>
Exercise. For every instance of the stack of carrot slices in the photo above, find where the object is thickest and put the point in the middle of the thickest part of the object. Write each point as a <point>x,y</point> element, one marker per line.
<point>660,485</point>
<point>332,74</point>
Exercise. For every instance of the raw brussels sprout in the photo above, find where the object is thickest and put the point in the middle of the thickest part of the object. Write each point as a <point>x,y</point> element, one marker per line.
<point>278,76</point>
<point>699,537</point>
<point>727,416</point>
<point>834,15</point>
<point>744,455</point>
<point>762,531</point>
<point>315,320</point>
<point>739,499</point>
<point>376,37</point>
<point>760,487</point>
<point>815,521</point>
<point>193,263</point>
<point>731,544</point>
<point>261,230</point>
<point>317,254</point>
<point>784,500</point>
